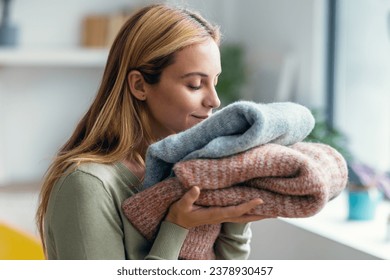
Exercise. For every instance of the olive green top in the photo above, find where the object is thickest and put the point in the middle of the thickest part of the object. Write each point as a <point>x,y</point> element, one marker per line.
<point>84,220</point>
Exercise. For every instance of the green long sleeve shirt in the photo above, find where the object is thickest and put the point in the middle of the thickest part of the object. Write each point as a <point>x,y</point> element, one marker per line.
<point>84,220</point>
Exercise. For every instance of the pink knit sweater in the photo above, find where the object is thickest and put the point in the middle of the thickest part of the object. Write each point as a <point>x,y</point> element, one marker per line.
<point>295,181</point>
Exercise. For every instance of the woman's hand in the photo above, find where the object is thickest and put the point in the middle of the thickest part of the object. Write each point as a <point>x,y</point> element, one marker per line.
<point>187,215</point>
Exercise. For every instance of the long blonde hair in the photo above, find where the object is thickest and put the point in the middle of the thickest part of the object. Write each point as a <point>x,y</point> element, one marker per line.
<point>116,125</point>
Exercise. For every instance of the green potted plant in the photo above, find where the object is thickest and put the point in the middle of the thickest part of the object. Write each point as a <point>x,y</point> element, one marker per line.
<point>331,136</point>
<point>233,73</point>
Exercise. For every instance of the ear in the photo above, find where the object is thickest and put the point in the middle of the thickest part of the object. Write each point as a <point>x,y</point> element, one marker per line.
<point>137,84</point>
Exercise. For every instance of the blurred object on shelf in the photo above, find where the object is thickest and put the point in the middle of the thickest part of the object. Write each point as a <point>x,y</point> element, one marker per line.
<point>363,177</point>
<point>18,245</point>
<point>99,30</point>
<point>94,31</point>
<point>388,22</point>
<point>388,229</point>
<point>366,188</point>
<point>8,32</point>
<point>362,204</point>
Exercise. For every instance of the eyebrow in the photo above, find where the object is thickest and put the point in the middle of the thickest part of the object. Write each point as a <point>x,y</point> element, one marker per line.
<point>196,74</point>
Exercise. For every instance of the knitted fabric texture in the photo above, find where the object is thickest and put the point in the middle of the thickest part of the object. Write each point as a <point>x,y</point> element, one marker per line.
<point>235,128</point>
<point>295,181</point>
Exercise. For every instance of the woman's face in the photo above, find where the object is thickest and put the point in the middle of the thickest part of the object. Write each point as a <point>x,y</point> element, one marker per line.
<point>185,94</point>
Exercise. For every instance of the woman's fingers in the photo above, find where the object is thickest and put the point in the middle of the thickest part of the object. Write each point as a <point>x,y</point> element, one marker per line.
<point>247,206</point>
<point>241,209</point>
<point>184,213</point>
<point>190,197</point>
<point>181,212</point>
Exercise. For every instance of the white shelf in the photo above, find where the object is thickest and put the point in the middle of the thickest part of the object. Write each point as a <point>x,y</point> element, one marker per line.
<point>76,57</point>
<point>366,236</point>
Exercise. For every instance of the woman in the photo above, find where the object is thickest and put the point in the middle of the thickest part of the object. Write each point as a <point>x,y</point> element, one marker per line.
<point>159,79</point>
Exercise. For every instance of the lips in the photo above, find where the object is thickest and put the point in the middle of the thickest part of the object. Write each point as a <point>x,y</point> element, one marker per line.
<point>200,117</point>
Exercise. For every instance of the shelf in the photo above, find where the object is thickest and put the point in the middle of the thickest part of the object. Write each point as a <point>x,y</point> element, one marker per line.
<point>76,57</point>
<point>366,236</point>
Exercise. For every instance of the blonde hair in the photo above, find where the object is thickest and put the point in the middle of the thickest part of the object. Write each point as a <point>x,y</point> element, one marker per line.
<point>116,124</point>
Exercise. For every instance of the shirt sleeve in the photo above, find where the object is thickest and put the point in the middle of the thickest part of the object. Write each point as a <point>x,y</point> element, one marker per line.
<point>85,223</point>
<point>168,242</point>
<point>233,243</point>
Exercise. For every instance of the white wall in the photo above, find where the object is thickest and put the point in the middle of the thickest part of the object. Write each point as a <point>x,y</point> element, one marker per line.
<point>39,106</point>
<point>275,32</point>
<point>56,23</point>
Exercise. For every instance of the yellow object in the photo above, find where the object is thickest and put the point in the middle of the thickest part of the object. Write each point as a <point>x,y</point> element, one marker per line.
<point>18,245</point>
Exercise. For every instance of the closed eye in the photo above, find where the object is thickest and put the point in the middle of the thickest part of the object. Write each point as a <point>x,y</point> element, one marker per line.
<point>194,87</point>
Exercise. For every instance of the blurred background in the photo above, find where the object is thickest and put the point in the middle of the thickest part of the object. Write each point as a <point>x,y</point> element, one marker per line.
<point>331,56</point>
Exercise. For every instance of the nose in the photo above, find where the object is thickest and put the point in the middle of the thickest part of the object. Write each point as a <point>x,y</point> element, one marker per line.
<point>211,99</point>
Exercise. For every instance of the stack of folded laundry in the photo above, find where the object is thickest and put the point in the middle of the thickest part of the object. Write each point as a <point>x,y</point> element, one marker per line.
<point>244,151</point>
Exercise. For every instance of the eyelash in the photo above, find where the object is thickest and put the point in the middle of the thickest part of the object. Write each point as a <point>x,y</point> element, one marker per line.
<point>194,87</point>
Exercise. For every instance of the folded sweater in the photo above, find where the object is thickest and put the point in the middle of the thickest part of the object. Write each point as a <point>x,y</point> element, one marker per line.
<point>235,128</point>
<point>295,181</point>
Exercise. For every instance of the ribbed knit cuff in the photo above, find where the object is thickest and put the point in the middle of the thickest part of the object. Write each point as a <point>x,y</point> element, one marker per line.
<point>168,242</point>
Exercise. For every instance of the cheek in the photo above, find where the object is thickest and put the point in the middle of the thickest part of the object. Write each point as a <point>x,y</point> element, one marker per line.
<point>177,113</point>
<point>175,98</point>
<point>168,106</point>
